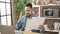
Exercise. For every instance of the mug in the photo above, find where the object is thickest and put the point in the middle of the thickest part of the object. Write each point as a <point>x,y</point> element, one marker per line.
<point>45,27</point>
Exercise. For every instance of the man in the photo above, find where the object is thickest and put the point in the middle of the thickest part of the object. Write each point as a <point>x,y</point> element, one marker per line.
<point>24,23</point>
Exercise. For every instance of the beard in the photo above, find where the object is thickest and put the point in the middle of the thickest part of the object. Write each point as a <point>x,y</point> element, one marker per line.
<point>28,15</point>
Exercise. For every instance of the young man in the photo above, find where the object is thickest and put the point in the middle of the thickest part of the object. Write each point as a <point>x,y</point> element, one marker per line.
<point>25,23</point>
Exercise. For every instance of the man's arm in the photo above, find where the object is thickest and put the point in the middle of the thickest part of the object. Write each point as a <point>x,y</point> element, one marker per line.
<point>18,25</point>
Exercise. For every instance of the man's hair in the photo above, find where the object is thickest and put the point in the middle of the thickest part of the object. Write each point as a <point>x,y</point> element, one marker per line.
<point>29,5</point>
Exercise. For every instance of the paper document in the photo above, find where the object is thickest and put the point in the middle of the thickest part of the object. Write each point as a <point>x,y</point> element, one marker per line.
<point>36,22</point>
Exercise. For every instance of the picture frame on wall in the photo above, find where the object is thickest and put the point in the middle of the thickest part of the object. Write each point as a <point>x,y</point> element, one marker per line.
<point>51,13</point>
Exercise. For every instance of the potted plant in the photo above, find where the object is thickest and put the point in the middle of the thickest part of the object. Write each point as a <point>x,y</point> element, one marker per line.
<point>20,6</point>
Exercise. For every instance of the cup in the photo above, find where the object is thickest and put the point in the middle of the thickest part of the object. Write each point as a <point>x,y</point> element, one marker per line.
<point>45,27</point>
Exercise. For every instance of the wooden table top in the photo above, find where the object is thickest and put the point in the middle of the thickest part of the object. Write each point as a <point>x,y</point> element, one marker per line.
<point>29,32</point>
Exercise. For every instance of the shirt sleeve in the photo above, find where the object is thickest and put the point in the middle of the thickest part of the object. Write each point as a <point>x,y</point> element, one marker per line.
<point>18,25</point>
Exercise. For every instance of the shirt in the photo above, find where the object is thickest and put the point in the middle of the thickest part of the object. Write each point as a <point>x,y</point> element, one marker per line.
<point>33,23</point>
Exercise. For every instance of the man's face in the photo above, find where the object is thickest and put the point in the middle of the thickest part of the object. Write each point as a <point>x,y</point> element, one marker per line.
<point>28,11</point>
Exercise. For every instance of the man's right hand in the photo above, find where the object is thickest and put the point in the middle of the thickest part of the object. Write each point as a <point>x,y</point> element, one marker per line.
<point>41,27</point>
<point>20,16</point>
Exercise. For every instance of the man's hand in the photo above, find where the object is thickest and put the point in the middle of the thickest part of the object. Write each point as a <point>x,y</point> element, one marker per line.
<point>41,27</point>
<point>20,16</point>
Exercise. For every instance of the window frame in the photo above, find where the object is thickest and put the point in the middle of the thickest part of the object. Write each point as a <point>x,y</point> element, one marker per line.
<point>6,12</point>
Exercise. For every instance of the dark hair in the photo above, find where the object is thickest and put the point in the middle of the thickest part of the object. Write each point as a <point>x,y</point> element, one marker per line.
<point>28,4</point>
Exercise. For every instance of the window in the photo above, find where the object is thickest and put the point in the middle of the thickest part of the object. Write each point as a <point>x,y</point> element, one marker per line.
<point>5,12</point>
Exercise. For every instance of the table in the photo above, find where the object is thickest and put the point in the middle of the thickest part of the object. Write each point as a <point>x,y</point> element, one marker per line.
<point>28,32</point>
<point>25,32</point>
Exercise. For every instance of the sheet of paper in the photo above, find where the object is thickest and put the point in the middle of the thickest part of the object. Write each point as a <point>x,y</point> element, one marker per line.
<point>36,22</point>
